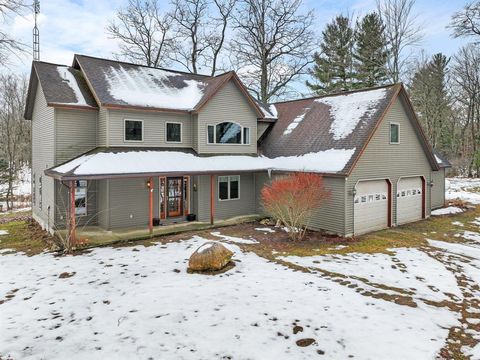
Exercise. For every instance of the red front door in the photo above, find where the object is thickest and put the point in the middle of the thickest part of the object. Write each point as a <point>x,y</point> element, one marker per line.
<point>174,196</point>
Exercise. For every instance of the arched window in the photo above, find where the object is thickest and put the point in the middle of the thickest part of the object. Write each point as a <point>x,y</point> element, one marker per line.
<point>228,133</point>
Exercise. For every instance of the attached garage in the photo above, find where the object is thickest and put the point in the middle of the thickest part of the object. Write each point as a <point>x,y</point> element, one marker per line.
<point>371,206</point>
<point>410,199</point>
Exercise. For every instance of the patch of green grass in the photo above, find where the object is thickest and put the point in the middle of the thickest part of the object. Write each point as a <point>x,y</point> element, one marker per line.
<point>11,215</point>
<point>23,236</point>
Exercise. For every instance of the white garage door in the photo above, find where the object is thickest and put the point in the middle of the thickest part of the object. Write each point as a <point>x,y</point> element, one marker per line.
<point>409,200</point>
<point>371,206</point>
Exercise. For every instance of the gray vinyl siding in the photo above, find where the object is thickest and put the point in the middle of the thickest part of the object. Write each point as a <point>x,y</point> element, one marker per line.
<point>229,104</point>
<point>75,133</point>
<point>153,128</point>
<point>261,179</point>
<point>103,203</point>
<point>331,215</point>
<point>43,157</point>
<point>129,203</point>
<point>382,160</point>
<point>195,132</point>
<point>261,128</point>
<point>438,189</point>
<point>246,205</point>
<point>102,127</point>
<point>62,201</point>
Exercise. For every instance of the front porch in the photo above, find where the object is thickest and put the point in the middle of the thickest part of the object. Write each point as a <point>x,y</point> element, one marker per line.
<point>90,236</point>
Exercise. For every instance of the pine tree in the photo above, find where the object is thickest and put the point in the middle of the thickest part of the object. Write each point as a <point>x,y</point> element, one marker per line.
<point>371,54</point>
<point>431,100</point>
<point>333,68</point>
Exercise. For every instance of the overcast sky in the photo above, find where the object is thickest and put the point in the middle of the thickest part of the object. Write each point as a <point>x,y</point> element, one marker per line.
<point>78,26</point>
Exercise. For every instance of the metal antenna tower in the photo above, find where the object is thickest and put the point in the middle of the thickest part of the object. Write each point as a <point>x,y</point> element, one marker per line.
<point>36,33</point>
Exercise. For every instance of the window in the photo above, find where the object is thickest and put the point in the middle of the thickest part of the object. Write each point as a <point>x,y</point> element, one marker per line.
<point>40,193</point>
<point>394,133</point>
<point>246,136</point>
<point>133,130</point>
<point>228,133</point>
<point>174,132</point>
<point>229,187</point>
<point>81,197</point>
<point>211,134</point>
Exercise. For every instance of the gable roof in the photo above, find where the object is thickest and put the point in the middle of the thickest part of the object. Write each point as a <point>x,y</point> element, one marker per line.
<point>126,85</point>
<point>345,120</point>
<point>441,160</point>
<point>63,86</point>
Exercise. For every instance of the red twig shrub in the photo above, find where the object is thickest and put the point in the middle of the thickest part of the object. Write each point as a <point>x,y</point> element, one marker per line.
<point>293,199</point>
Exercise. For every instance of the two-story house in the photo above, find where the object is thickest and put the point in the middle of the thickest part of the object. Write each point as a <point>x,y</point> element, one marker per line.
<point>118,145</point>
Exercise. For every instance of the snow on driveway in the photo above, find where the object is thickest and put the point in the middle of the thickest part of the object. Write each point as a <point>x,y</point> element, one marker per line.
<point>139,302</point>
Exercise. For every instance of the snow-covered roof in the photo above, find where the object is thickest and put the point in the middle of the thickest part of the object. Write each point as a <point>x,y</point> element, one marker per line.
<point>107,163</point>
<point>441,160</point>
<point>117,83</point>
<point>66,73</point>
<point>61,85</point>
<point>349,109</point>
<point>150,87</point>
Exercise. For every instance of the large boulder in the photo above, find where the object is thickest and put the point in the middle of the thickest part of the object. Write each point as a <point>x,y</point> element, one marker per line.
<point>211,256</point>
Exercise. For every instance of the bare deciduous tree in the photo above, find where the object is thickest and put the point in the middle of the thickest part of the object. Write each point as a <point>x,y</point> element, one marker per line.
<point>401,30</point>
<point>217,41</point>
<point>8,44</point>
<point>14,130</point>
<point>273,45</point>
<point>466,77</point>
<point>145,34</point>
<point>190,18</point>
<point>466,23</point>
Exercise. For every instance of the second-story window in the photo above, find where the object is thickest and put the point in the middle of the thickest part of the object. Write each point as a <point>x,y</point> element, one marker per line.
<point>394,133</point>
<point>228,133</point>
<point>174,132</point>
<point>133,130</point>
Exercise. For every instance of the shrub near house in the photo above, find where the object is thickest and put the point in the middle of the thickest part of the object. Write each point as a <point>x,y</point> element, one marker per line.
<point>293,200</point>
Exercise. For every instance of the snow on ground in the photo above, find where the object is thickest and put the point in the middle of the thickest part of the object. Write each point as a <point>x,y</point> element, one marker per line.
<point>461,188</point>
<point>457,223</point>
<point>22,186</point>
<point>471,235</point>
<point>347,110</point>
<point>332,160</point>
<point>406,269</point>
<point>460,249</point>
<point>446,211</point>
<point>234,239</point>
<point>3,232</point>
<point>129,302</point>
<point>265,229</point>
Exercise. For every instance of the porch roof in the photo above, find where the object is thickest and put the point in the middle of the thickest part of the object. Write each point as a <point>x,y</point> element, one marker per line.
<point>104,163</point>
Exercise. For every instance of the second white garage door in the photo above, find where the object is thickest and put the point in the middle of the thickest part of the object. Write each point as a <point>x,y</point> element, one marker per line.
<point>409,200</point>
<point>370,206</point>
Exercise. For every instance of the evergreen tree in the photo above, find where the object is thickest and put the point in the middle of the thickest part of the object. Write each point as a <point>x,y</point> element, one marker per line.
<point>371,54</point>
<point>333,68</point>
<point>431,100</point>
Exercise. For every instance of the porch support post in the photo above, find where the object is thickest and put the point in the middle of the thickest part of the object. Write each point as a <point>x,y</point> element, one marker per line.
<point>150,205</point>
<point>212,199</point>
<point>72,214</point>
